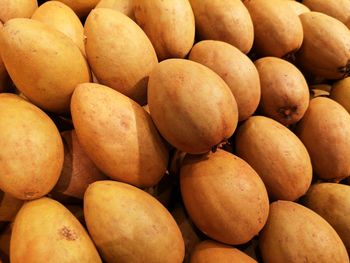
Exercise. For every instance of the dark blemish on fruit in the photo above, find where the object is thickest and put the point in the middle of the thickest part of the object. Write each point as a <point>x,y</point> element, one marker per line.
<point>287,112</point>
<point>68,234</point>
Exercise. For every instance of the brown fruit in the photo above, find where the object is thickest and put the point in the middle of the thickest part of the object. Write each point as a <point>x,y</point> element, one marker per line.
<point>124,6</point>
<point>297,7</point>
<point>9,207</point>
<point>16,9</point>
<point>340,92</point>
<point>284,91</point>
<point>81,7</point>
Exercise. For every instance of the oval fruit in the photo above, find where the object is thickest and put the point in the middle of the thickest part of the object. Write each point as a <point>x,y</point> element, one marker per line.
<point>119,52</point>
<point>173,37</point>
<point>9,207</point>
<point>227,21</point>
<point>209,251</point>
<point>59,16</point>
<point>31,152</point>
<point>326,47</point>
<point>325,131</point>
<point>235,68</point>
<point>277,31</point>
<point>277,155</point>
<point>224,196</point>
<point>297,7</point>
<point>124,6</point>
<point>136,227</point>
<point>118,135</point>
<point>45,231</point>
<point>340,92</point>
<point>35,56</point>
<point>284,90</point>
<point>191,105</point>
<point>17,8</point>
<point>81,7</point>
<point>332,202</point>
<point>295,234</point>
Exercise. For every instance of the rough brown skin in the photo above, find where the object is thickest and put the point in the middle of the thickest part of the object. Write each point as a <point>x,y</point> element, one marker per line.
<point>338,9</point>
<point>200,112</point>
<point>325,131</point>
<point>227,21</point>
<point>129,225</point>
<point>124,6</point>
<point>235,68</point>
<point>16,9</point>
<point>332,202</point>
<point>36,58</point>
<point>31,155</point>
<point>326,47</point>
<point>78,170</point>
<point>210,251</point>
<point>118,135</point>
<point>297,7</point>
<point>295,234</point>
<point>340,92</point>
<point>224,196</point>
<point>9,207</point>
<point>277,155</point>
<point>81,7</point>
<point>45,231</point>
<point>284,91</point>
<point>119,53</point>
<point>277,30</point>
<point>168,24</point>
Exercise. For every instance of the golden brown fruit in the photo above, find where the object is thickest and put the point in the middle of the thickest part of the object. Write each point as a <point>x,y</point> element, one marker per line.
<point>325,131</point>
<point>119,52</point>
<point>235,68</point>
<point>169,25</point>
<point>129,225</point>
<point>45,231</point>
<point>81,7</point>
<point>31,152</point>
<point>297,7</point>
<point>294,234</point>
<point>9,207</point>
<point>124,6</point>
<point>192,107</point>
<point>224,196</point>
<point>284,91</point>
<point>16,9</point>
<point>340,92</point>
<point>118,135</point>
<point>227,21</point>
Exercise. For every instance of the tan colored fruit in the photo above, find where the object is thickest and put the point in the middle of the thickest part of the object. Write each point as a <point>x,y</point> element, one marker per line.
<point>45,231</point>
<point>119,52</point>
<point>124,6</point>
<point>43,63</point>
<point>297,7</point>
<point>210,251</point>
<point>227,21</point>
<point>192,107</point>
<point>277,155</point>
<point>235,68</point>
<point>31,151</point>
<point>118,135</point>
<point>339,9</point>
<point>61,17</point>
<point>224,196</point>
<point>169,25</point>
<point>284,91</point>
<point>277,31</point>
<point>332,202</point>
<point>136,227</point>
<point>78,169</point>
<point>325,131</point>
<point>295,234</point>
<point>341,93</point>
<point>326,47</point>
<point>81,7</point>
<point>17,8</point>
<point>9,207</point>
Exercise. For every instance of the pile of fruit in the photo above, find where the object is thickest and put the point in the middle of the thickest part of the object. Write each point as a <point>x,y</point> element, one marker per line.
<point>169,131</point>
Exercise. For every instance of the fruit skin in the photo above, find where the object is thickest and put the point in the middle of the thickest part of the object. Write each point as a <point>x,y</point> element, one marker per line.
<point>118,135</point>
<point>277,31</point>
<point>31,152</point>
<point>277,155</point>
<point>45,231</point>
<point>325,131</point>
<point>81,7</point>
<point>16,9</point>
<point>227,21</point>
<point>124,6</point>
<point>297,7</point>
<point>129,225</point>
<point>35,56</point>
<point>168,24</point>
<point>235,68</point>
<point>119,52</point>
<point>224,196</point>
<point>192,107</point>
<point>340,92</point>
<point>284,90</point>
<point>326,47</point>
<point>294,233</point>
